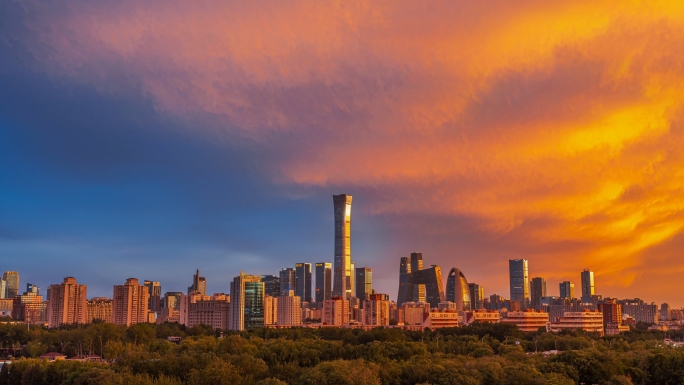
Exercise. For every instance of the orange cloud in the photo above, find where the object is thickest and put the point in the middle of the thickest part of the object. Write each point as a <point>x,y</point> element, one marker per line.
<point>553,125</point>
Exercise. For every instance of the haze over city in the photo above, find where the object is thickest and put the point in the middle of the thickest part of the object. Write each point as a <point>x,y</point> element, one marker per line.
<point>151,139</point>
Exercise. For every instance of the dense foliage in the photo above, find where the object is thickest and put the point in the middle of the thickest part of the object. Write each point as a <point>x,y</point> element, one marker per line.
<point>478,354</point>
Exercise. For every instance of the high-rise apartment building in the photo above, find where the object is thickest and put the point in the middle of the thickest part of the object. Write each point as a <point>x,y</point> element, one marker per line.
<point>3,288</point>
<point>30,308</point>
<point>477,296</point>
<point>129,303</point>
<point>67,303</point>
<point>376,310</point>
<point>416,283</point>
<point>518,270</point>
<point>270,310</point>
<point>288,280</point>
<point>335,312</point>
<point>364,283</point>
<point>611,310</point>
<point>323,281</point>
<point>199,284</point>
<point>537,291</point>
<point>246,302</point>
<point>271,285</point>
<point>185,302</point>
<point>154,299</point>
<point>587,283</point>
<point>567,290</point>
<point>457,290</point>
<point>289,309</point>
<point>303,277</point>
<point>342,269</point>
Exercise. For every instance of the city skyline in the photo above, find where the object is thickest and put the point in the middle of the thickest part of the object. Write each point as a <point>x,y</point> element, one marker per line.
<point>146,140</point>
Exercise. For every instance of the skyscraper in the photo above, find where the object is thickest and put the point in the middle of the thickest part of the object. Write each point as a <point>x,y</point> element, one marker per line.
<point>457,290</point>
<point>67,303</point>
<point>31,288</point>
<point>12,285</point>
<point>288,279</point>
<point>411,281</point>
<point>342,273</point>
<point>271,285</point>
<point>154,299</point>
<point>567,290</point>
<point>323,281</point>
<point>364,283</point>
<point>477,296</point>
<point>587,283</point>
<point>199,284</point>
<point>519,281</point>
<point>537,291</point>
<point>246,302</point>
<point>129,303</point>
<point>303,279</point>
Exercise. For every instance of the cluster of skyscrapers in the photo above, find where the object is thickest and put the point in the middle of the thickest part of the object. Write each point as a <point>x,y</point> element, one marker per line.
<point>325,294</point>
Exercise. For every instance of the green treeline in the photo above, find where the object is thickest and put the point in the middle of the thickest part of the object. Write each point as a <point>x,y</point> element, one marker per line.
<point>478,354</point>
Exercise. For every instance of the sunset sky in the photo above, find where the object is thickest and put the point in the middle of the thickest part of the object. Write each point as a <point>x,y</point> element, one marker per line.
<point>150,138</point>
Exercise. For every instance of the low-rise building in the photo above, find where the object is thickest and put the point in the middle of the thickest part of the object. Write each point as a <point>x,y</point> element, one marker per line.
<point>442,318</point>
<point>527,321</point>
<point>590,321</point>
<point>99,308</point>
<point>489,316</point>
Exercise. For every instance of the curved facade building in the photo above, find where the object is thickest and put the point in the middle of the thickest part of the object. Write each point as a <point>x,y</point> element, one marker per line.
<point>457,290</point>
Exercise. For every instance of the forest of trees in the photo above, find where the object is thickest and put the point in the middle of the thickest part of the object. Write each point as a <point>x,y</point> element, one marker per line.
<point>477,354</point>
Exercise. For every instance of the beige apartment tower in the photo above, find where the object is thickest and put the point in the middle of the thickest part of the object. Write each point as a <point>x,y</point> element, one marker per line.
<point>289,309</point>
<point>129,304</point>
<point>67,303</point>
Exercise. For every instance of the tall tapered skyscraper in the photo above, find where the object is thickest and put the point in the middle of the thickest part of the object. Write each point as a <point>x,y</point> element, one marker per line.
<point>342,273</point>
<point>520,284</point>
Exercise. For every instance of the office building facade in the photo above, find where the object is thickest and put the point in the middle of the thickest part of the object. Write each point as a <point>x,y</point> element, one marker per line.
<point>416,285</point>
<point>246,302</point>
<point>567,290</point>
<point>288,280</point>
<point>199,284</point>
<point>323,281</point>
<point>342,267</point>
<point>303,277</point>
<point>364,283</point>
<point>537,292</point>
<point>271,285</point>
<point>11,279</point>
<point>154,299</point>
<point>518,270</point>
<point>477,296</point>
<point>587,283</point>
